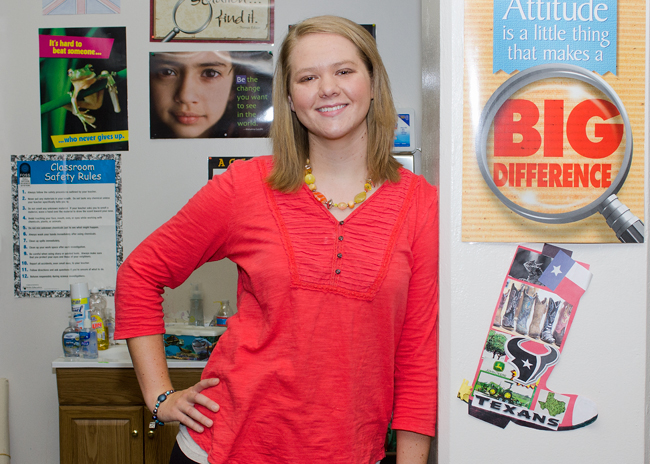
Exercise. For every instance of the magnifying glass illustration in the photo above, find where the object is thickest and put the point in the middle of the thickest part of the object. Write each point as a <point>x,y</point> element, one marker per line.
<point>554,144</point>
<point>178,29</point>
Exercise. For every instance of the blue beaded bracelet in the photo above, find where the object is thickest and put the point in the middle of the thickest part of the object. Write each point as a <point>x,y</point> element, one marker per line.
<point>160,399</point>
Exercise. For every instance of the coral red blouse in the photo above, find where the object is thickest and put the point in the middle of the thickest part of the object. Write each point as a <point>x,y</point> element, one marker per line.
<point>336,322</point>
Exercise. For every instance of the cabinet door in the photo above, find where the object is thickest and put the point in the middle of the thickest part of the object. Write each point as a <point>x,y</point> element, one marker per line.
<point>101,435</point>
<point>158,443</point>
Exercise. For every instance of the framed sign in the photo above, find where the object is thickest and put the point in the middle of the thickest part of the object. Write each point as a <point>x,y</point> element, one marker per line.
<point>212,21</point>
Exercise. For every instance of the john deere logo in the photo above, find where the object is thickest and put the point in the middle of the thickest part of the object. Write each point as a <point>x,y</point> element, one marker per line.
<point>499,366</point>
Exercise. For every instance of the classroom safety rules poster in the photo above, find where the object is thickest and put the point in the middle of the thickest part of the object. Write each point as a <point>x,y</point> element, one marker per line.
<point>67,222</point>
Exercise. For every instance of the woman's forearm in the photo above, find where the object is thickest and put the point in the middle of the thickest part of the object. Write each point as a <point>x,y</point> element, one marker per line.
<point>150,365</point>
<point>412,448</point>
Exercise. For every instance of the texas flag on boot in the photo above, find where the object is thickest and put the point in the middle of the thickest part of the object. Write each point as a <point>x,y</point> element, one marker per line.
<point>566,278</point>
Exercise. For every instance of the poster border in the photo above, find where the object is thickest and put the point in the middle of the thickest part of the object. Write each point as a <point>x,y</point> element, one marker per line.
<point>119,246</point>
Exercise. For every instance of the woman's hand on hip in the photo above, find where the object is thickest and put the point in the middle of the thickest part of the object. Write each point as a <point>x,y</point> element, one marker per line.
<point>179,406</point>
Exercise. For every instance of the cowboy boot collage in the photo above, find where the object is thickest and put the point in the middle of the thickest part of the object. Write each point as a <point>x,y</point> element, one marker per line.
<point>514,299</point>
<point>499,311</point>
<point>551,313</point>
<point>529,327</point>
<point>539,312</point>
<point>526,308</point>
<point>563,320</point>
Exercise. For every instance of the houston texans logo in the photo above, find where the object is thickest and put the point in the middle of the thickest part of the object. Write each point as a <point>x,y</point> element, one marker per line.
<point>530,366</point>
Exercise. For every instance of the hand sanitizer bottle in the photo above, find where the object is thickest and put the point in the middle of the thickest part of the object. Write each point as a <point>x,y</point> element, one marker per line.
<point>88,340</point>
<point>70,339</point>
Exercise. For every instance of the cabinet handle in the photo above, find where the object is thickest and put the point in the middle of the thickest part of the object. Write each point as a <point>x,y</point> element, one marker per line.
<point>151,434</point>
<point>134,434</point>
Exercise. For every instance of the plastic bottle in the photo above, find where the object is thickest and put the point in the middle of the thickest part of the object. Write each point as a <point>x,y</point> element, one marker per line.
<point>70,339</point>
<point>79,297</point>
<point>97,324</point>
<point>223,314</point>
<point>97,300</point>
<point>97,304</point>
<point>213,321</point>
<point>109,323</point>
<point>88,340</point>
<point>196,307</point>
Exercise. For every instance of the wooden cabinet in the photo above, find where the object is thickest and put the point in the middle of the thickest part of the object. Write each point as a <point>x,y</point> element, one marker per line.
<point>107,435</point>
<point>104,420</point>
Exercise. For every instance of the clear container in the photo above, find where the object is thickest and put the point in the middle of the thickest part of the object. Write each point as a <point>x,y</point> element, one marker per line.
<point>109,323</point>
<point>70,339</point>
<point>213,321</point>
<point>190,343</point>
<point>88,340</point>
<point>196,307</point>
<point>223,314</point>
<point>97,303</point>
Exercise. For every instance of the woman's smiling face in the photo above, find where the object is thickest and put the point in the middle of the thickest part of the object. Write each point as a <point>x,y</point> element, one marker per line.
<point>190,91</point>
<point>330,86</point>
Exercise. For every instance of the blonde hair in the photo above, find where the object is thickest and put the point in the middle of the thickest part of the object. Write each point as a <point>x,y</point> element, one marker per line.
<point>290,137</point>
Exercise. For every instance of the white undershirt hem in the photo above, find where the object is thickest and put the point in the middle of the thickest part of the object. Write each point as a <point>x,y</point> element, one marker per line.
<point>189,447</point>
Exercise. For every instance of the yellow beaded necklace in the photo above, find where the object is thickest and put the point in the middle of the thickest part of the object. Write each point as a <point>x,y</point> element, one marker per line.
<point>358,198</point>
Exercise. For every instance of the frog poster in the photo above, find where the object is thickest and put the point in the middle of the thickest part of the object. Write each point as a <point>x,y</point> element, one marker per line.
<point>83,89</point>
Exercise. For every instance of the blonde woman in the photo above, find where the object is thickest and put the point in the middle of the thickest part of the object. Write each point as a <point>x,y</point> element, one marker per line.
<point>337,251</point>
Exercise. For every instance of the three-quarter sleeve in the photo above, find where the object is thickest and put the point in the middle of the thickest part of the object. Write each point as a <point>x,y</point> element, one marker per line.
<point>416,358</point>
<point>198,233</point>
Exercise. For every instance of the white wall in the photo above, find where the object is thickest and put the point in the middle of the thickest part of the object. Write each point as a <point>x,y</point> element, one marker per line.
<point>604,357</point>
<point>158,177</point>
<point>605,354</point>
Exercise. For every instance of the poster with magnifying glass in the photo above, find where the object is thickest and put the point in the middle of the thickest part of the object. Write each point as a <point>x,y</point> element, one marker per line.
<point>212,21</point>
<point>554,117</point>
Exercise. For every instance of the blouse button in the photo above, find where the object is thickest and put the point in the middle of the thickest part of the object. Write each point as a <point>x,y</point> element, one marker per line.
<point>342,222</point>
<point>340,255</point>
<point>338,271</point>
<point>341,238</point>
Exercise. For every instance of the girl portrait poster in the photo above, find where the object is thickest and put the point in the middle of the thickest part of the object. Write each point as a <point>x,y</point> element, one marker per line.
<point>210,94</point>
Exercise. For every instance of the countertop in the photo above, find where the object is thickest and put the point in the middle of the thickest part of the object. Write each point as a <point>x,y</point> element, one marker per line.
<point>117,356</point>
